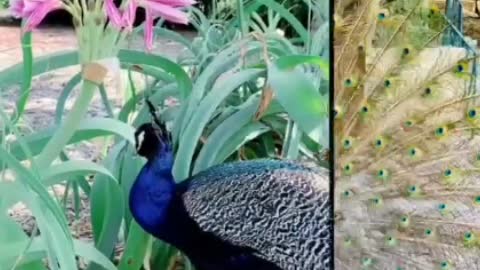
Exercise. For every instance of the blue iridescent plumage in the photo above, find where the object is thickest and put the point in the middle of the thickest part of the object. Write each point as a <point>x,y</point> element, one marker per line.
<point>264,215</point>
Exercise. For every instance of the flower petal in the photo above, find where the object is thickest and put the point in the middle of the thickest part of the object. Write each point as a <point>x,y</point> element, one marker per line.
<point>148,38</point>
<point>16,8</point>
<point>113,13</point>
<point>168,13</point>
<point>30,6</point>
<point>129,13</point>
<point>39,13</point>
<point>176,3</point>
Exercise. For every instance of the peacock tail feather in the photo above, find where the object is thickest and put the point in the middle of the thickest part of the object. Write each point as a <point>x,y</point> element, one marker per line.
<point>407,150</point>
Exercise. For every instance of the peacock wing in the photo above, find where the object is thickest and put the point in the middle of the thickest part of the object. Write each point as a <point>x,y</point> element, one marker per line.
<point>278,208</point>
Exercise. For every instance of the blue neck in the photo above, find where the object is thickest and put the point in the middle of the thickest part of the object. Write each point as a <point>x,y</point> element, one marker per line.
<point>153,191</point>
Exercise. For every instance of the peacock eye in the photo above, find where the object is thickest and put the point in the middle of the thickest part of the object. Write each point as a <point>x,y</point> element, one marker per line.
<point>348,168</point>
<point>347,193</point>
<point>444,265</point>
<point>460,68</point>
<point>427,91</point>
<point>412,152</point>
<point>408,123</point>
<point>440,131</point>
<point>447,172</point>
<point>383,174</point>
<point>406,51</point>
<point>347,144</point>
<point>404,221</point>
<point>413,190</point>
<point>477,200</point>
<point>472,113</point>
<point>381,16</point>
<point>468,236</point>
<point>377,201</point>
<point>442,206</point>
<point>348,83</point>
<point>365,109</point>
<point>428,232</point>
<point>391,240</point>
<point>387,83</point>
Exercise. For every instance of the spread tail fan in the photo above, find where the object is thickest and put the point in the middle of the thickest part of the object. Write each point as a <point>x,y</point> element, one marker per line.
<point>407,126</point>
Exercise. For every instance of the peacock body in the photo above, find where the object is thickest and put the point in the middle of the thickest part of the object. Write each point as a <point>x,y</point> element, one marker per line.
<point>264,214</point>
<point>407,167</point>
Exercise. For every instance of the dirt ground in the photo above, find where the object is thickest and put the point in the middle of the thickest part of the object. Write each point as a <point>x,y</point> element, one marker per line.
<point>46,89</point>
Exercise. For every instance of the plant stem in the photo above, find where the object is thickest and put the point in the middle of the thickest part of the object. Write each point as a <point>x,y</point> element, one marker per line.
<point>67,128</point>
<point>241,18</point>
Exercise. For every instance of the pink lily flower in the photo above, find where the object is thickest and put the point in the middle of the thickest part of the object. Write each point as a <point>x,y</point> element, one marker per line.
<point>128,17</point>
<point>167,9</point>
<point>113,14</point>
<point>119,20</point>
<point>34,11</point>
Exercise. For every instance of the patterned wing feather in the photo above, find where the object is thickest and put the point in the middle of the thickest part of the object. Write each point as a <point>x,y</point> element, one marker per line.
<point>278,208</point>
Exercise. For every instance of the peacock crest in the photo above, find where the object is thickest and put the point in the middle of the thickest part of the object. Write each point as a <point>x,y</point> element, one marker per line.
<point>407,144</point>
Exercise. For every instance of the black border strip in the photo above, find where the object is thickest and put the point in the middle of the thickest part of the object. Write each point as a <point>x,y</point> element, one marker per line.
<point>331,135</point>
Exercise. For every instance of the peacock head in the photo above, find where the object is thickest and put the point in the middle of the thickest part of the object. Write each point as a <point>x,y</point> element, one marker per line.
<point>152,139</point>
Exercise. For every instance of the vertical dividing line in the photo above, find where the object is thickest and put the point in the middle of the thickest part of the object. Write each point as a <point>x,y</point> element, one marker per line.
<point>332,135</point>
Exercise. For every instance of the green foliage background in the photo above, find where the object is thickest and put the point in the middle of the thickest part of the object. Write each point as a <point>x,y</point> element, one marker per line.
<point>222,83</point>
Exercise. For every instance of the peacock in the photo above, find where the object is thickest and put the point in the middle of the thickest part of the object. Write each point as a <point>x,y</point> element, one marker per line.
<point>407,150</point>
<point>257,214</point>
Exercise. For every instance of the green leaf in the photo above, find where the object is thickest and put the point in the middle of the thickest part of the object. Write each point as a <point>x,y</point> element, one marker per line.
<point>136,57</point>
<point>294,22</point>
<point>89,252</point>
<point>203,113</point>
<point>162,255</point>
<point>128,171</point>
<point>302,101</point>
<point>108,204</point>
<point>59,60</point>
<point>90,128</point>
<point>62,99</point>
<point>292,141</point>
<point>289,62</point>
<point>223,61</point>
<point>247,133</point>
<point>15,234</point>
<point>33,182</point>
<point>224,133</point>
<point>27,54</point>
<point>135,248</point>
<point>38,250</point>
<point>41,65</point>
<point>68,169</point>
